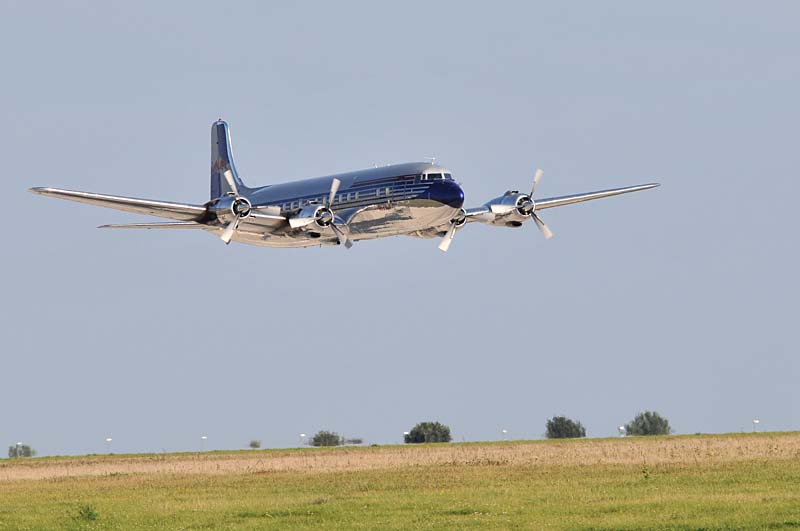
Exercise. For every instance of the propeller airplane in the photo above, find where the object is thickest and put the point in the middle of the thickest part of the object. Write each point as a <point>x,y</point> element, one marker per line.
<point>418,199</point>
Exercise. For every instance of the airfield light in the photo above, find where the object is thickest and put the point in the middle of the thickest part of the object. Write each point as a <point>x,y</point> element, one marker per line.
<point>756,422</point>
<point>108,443</point>
<point>203,438</point>
<point>302,437</point>
<point>405,435</point>
<point>505,433</point>
<point>621,431</point>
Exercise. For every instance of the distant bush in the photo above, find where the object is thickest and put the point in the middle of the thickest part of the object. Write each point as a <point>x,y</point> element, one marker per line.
<point>354,440</point>
<point>648,423</point>
<point>326,438</point>
<point>429,432</point>
<point>87,512</point>
<point>564,428</point>
<point>255,444</point>
<point>21,450</point>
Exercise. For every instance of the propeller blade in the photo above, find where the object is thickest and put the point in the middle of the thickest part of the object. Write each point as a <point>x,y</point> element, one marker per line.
<point>536,178</point>
<point>228,174</point>
<point>334,188</point>
<point>542,227</point>
<point>448,238</point>
<point>227,234</point>
<point>343,239</point>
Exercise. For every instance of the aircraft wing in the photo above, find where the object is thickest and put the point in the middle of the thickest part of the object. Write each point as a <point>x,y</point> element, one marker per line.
<point>163,225</point>
<point>162,209</point>
<point>551,202</point>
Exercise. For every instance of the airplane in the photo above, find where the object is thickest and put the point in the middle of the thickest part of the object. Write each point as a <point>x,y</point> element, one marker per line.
<point>418,199</point>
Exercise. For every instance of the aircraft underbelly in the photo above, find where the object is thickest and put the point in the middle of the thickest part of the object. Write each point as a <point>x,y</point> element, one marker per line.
<point>374,221</point>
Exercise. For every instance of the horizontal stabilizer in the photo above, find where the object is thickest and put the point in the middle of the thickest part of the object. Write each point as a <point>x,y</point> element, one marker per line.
<point>551,202</point>
<point>162,209</point>
<point>163,225</point>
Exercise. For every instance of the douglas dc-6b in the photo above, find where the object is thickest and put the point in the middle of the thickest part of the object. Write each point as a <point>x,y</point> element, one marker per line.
<point>415,199</point>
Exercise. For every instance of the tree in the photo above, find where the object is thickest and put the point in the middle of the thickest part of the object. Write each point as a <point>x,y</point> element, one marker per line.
<point>648,423</point>
<point>255,444</point>
<point>564,428</point>
<point>326,438</point>
<point>21,450</point>
<point>428,432</point>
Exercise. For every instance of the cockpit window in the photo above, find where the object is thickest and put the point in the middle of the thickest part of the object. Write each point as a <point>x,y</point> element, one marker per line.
<point>448,176</point>
<point>434,176</point>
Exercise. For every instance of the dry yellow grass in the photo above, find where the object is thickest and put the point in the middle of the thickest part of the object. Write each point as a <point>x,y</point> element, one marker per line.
<point>714,482</point>
<point>639,450</point>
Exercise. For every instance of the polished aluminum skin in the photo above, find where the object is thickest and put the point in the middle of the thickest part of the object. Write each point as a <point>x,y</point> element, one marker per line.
<point>418,199</point>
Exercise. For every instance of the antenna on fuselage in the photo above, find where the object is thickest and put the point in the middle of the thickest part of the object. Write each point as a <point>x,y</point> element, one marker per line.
<point>431,160</point>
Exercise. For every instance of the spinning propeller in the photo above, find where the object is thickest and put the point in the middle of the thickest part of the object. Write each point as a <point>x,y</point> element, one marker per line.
<point>526,206</point>
<point>324,217</point>
<point>240,207</point>
<point>455,223</point>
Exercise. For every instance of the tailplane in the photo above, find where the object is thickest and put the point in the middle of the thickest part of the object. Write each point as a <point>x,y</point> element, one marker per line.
<point>222,161</point>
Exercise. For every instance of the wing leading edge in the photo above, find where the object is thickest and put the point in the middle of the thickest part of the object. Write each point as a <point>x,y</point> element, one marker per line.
<point>162,209</point>
<point>551,202</point>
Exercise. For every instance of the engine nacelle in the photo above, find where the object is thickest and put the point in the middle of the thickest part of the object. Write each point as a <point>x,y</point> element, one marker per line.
<point>228,208</point>
<point>311,217</point>
<point>512,208</point>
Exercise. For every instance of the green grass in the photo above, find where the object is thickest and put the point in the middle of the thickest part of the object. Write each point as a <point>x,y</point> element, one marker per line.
<point>760,493</point>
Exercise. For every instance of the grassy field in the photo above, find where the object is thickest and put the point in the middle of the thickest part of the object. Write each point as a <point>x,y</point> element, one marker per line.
<point>741,481</point>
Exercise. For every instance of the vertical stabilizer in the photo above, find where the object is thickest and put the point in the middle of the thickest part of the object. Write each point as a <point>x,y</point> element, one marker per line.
<point>222,160</point>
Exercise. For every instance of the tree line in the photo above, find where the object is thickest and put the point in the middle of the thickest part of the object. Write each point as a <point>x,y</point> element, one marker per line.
<point>558,427</point>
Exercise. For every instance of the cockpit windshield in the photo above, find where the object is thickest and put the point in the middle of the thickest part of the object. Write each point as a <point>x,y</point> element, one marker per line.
<point>437,176</point>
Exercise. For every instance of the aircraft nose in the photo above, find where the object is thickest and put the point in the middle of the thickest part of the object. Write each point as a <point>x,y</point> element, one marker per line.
<point>447,192</point>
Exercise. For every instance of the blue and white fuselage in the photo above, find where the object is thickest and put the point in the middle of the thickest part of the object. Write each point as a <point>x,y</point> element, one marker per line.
<point>412,198</point>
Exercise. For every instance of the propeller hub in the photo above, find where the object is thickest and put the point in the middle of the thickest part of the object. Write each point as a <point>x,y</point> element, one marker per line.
<point>460,218</point>
<point>241,207</point>
<point>526,205</point>
<point>324,217</point>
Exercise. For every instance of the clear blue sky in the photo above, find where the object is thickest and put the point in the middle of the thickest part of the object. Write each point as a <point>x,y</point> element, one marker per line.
<point>682,299</point>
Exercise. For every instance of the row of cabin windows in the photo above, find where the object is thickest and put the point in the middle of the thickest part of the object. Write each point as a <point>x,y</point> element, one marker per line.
<point>340,198</point>
<point>351,196</point>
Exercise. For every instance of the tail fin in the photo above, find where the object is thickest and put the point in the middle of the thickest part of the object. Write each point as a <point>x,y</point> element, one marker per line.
<point>222,160</point>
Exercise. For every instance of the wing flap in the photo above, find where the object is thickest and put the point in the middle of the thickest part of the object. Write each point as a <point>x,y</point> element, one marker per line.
<point>162,209</point>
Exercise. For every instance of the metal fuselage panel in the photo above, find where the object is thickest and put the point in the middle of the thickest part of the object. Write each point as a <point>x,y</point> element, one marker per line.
<point>375,203</point>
